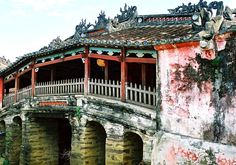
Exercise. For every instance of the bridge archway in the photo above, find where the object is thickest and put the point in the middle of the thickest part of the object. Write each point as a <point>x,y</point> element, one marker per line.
<point>94,138</point>
<point>64,141</point>
<point>49,139</point>
<point>2,137</point>
<point>133,148</point>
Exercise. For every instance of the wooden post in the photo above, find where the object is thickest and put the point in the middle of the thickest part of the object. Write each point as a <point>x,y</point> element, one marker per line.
<point>123,75</point>
<point>52,75</point>
<point>106,70</point>
<point>33,81</point>
<point>1,91</point>
<point>86,71</point>
<point>143,70</point>
<point>17,85</point>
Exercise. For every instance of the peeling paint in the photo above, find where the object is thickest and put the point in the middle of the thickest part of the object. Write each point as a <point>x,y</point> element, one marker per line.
<point>176,149</point>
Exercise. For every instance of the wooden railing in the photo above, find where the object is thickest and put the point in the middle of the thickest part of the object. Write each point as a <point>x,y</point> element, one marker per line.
<point>24,93</point>
<point>106,88</point>
<point>140,94</point>
<point>136,94</point>
<point>60,87</point>
<point>9,99</point>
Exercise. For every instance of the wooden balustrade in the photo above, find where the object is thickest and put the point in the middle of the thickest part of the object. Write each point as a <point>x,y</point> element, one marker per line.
<point>9,99</point>
<point>60,87</point>
<point>140,94</point>
<point>107,88</point>
<point>24,93</point>
<point>135,93</point>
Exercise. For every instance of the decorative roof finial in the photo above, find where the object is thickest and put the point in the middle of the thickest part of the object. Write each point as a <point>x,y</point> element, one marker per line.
<point>190,9</point>
<point>127,13</point>
<point>102,21</point>
<point>81,29</point>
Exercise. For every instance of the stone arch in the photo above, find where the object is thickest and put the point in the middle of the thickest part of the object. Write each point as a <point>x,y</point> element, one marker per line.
<point>94,139</point>
<point>133,148</point>
<point>14,140</point>
<point>2,137</point>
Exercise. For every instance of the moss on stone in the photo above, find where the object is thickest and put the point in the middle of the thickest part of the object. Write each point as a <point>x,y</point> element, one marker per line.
<point>208,134</point>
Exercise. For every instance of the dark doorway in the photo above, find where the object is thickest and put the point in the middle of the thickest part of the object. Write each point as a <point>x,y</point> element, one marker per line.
<point>94,139</point>
<point>133,149</point>
<point>64,141</point>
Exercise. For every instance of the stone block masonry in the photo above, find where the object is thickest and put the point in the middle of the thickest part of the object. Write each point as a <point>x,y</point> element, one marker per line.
<point>13,143</point>
<point>114,150</point>
<point>42,135</point>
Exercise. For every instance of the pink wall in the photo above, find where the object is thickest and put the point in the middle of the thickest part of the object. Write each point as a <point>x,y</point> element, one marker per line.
<point>186,104</point>
<point>174,149</point>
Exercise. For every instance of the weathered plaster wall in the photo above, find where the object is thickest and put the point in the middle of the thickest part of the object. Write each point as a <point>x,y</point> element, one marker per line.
<point>186,95</point>
<point>174,149</point>
<point>198,101</point>
<point>225,93</point>
<point>198,95</point>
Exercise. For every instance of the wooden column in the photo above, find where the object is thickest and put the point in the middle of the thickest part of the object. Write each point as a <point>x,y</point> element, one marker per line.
<point>1,91</point>
<point>52,74</point>
<point>106,70</point>
<point>123,74</point>
<point>33,81</point>
<point>86,71</point>
<point>17,86</point>
<point>143,70</point>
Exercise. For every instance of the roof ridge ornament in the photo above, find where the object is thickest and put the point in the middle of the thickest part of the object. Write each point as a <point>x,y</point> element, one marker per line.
<point>209,25</point>
<point>57,43</point>
<point>190,9</point>
<point>123,21</point>
<point>81,29</point>
<point>54,44</point>
<point>127,13</point>
<point>102,21</point>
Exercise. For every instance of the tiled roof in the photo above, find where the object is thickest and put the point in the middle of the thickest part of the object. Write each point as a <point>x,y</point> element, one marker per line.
<point>149,35</point>
<point>139,36</point>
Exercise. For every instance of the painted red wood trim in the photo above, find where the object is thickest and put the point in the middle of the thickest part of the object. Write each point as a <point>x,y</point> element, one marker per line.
<point>177,45</point>
<point>106,70</point>
<point>17,85</point>
<point>1,91</point>
<point>123,75</point>
<point>140,60</point>
<point>143,72</point>
<point>8,80</point>
<point>86,72</point>
<point>59,60</point>
<point>33,81</point>
<point>105,57</point>
<point>24,71</point>
<point>49,63</point>
<point>75,57</point>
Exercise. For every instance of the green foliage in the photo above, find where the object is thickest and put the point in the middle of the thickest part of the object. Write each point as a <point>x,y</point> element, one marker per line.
<point>209,158</point>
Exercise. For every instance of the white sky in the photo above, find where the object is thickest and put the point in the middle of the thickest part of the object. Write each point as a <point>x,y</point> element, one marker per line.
<point>28,25</point>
